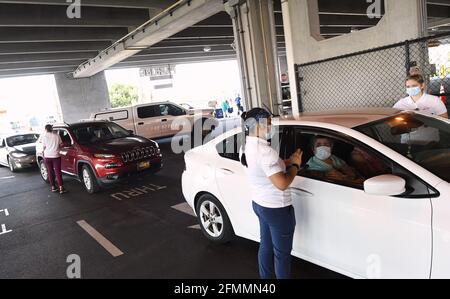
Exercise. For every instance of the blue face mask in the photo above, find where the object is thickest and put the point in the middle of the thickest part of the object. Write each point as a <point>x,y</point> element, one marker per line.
<point>413,91</point>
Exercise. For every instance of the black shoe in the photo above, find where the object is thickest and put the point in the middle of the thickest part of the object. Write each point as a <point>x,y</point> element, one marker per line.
<point>54,189</point>
<point>62,190</point>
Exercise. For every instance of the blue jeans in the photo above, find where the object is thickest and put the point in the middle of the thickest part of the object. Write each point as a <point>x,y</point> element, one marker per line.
<point>277,234</point>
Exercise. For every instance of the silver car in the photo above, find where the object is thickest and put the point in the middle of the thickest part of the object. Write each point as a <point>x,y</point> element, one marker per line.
<point>18,151</point>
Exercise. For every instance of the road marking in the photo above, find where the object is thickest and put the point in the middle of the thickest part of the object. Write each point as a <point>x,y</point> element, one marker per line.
<point>7,177</point>
<point>184,208</point>
<point>4,230</point>
<point>196,226</point>
<point>113,250</point>
<point>5,211</point>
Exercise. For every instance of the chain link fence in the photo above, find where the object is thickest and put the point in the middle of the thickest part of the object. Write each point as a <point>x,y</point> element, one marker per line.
<point>376,77</point>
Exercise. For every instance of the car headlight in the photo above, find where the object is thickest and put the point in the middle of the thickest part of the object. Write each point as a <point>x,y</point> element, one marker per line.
<point>104,156</point>
<point>18,155</point>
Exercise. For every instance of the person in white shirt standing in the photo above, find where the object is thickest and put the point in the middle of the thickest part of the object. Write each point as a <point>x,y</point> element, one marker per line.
<point>270,177</point>
<point>419,100</point>
<point>52,158</point>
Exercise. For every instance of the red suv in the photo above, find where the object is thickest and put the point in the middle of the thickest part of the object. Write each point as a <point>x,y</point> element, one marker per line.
<point>101,153</point>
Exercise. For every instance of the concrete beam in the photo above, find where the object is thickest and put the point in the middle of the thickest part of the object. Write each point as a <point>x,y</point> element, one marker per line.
<point>51,34</point>
<point>39,65</point>
<point>46,57</point>
<point>57,47</point>
<point>22,15</point>
<point>186,14</point>
<point>345,7</point>
<point>188,60</point>
<point>34,72</point>
<point>159,4</point>
<point>440,23</point>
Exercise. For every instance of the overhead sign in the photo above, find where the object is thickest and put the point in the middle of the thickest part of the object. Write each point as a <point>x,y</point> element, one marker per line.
<point>160,72</point>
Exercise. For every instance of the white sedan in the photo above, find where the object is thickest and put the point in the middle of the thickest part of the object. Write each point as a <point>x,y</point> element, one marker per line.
<point>392,221</point>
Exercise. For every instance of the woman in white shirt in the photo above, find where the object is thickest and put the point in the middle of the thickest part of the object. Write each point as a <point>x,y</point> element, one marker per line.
<point>270,177</point>
<point>419,100</point>
<point>52,158</point>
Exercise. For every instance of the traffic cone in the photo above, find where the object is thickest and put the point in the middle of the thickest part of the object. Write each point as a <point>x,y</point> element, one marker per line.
<point>443,97</point>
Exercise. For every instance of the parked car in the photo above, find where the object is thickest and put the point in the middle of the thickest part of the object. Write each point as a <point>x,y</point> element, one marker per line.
<point>101,153</point>
<point>18,151</point>
<point>158,120</point>
<point>393,222</point>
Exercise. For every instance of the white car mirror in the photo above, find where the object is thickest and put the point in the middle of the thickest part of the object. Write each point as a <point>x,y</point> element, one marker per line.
<point>386,185</point>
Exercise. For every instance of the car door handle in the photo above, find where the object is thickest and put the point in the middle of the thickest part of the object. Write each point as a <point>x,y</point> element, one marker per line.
<point>226,171</point>
<point>303,191</point>
<point>140,124</point>
<point>163,120</point>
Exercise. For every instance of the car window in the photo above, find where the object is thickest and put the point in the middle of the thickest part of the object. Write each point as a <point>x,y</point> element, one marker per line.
<point>356,162</point>
<point>230,147</point>
<point>65,137</point>
<point>176,111</point>
<point>148,111</point>
<point>22,139</point>
<point>422,139</point>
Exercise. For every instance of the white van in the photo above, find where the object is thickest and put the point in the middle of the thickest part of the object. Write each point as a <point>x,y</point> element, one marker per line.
<point>158,120</point>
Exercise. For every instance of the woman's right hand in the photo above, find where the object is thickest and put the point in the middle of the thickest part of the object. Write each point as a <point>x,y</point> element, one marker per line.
<point>296,158</point>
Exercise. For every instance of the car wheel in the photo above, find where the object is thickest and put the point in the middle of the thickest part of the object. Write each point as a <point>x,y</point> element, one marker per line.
<point>12,165</point>
<point>43,171</point>
<point>89,180</point>
<point>213,219</point>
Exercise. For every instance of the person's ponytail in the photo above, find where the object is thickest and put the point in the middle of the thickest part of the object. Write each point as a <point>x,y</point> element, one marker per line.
<point>249,120</point>
<point>244,139</point>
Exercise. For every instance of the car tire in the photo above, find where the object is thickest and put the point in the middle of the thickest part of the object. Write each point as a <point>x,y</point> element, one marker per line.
<point>89,180</point>
<point>216,227</point>
<point>11,165</point>
<point>43,171</point>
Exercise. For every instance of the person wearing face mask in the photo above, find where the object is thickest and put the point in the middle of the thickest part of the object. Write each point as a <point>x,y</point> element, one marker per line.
<point>327,164</point>
<point>269,178</point>
<point>419,100</point>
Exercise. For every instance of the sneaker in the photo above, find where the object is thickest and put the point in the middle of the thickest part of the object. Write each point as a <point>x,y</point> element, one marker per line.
<point>62,190</point>
<point>54,189</point>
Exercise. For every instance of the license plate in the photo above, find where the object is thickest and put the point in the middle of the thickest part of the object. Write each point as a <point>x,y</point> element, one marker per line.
<point>143,165</point>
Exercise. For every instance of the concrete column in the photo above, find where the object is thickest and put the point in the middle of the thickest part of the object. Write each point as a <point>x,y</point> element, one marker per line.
<point>402,21</point>
<point>80,97</point>
<point>255,38</point>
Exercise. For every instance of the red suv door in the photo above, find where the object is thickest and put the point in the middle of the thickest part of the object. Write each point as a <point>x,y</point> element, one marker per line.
<point>68,152</point>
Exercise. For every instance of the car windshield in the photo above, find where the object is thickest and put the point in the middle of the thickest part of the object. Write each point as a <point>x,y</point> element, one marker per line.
<point>22,139</point>
<point>425,140</point>
<point>98,132</point>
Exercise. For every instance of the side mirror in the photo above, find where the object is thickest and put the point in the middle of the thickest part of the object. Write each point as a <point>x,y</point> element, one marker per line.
<point>66,144</point>
<point>131,132</point>
<point>385,185</point>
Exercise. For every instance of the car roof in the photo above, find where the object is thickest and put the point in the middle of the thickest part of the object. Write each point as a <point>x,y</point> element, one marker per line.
<point>349,118</point>
<point>84,122</point>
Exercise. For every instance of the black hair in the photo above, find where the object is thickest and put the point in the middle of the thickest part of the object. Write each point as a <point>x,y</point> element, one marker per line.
<point>249,121</point>
<point>49,128</point>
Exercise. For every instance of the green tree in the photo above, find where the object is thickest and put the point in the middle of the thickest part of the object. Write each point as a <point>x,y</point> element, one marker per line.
<point>123,95</point>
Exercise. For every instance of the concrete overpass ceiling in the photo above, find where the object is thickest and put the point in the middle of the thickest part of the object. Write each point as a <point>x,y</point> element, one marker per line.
<point>36,36</point>
<point>342,17</point>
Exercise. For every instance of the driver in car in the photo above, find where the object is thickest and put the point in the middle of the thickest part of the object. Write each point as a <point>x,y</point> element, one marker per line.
<point>328,165</point>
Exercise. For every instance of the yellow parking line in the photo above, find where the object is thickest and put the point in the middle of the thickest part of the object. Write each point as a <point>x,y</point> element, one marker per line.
<point>113,250</point>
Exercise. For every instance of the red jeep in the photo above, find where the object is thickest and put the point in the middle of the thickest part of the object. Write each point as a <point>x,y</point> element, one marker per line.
<point>101,153</point>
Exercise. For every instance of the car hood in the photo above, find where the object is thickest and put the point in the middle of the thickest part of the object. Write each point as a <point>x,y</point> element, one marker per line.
<point>25,148</point>
<point>121,145</point>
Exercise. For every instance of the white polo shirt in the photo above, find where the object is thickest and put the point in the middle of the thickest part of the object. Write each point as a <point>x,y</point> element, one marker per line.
<point>427,104</point>
<point>263,162</point>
